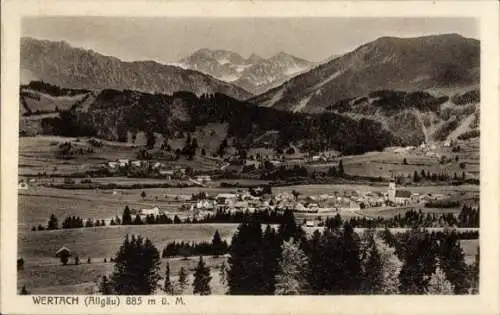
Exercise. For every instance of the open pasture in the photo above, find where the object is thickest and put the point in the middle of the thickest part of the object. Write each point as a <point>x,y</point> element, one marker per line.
<point>39,155</point>
<point>388,163</point>
<point>83,278</point>
<point>103,242</point>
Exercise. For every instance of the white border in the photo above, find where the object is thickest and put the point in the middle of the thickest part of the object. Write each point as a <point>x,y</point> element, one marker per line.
<point>485,11</point>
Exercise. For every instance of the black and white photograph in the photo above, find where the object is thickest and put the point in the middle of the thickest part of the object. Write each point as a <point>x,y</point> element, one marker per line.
<point>250,155</point>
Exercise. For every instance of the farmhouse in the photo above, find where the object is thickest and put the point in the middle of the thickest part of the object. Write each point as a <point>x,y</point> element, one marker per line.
<point>63,251</point>
<point>203,178</point>
<point>112,164</point>
<point>205,204</point>
<point>153,211</point>
<point>226,198</point>
<point>136,163</point>
<point>310,223</point>
<point>123,162</point>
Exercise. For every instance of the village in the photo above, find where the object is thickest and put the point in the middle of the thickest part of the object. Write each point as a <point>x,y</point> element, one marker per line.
<point>198,206</point>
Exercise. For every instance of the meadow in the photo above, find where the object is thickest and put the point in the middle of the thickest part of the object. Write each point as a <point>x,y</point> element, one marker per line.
<point>387,163</point>
<point>83,278</point>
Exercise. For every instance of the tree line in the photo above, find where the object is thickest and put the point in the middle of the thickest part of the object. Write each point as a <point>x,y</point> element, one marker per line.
<point>216,248</point>
<point>467,218</point>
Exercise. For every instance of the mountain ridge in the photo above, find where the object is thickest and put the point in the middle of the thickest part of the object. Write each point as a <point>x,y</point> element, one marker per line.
<point>61,64</point>
<point>417,63</point>
<point>255,73</point>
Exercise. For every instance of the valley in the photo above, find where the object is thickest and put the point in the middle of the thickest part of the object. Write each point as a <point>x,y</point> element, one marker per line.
<point>383,139</point>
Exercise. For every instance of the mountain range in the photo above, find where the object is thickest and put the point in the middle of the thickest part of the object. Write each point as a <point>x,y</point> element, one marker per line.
<point>388,63</point>
<point>255,73</point>
<point>65,66</point>
<point>392,91</point>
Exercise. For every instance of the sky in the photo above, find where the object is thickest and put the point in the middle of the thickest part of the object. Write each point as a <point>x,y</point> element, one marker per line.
<point>167,40</point>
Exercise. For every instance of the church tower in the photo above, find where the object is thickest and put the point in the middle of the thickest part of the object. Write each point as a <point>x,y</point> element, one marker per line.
<point>391,193</point>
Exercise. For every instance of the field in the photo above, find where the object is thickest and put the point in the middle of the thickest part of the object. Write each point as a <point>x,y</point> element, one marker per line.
<point>103,242</point>
<point>43,272</point>
<point>388,163</point>
<point>39,155</point>
<point>82,278</point>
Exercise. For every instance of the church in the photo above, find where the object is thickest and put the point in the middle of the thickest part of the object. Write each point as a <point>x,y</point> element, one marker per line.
<point>400,197</point>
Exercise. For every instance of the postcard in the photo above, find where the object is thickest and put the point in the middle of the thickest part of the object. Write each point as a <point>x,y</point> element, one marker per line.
<point>250,157</point>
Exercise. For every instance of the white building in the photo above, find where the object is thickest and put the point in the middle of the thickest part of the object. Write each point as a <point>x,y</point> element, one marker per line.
<point>123,162</point>
<point>154,211</point>
<point>203,178</point>
<point>205,204</point>
<point>398,196</point>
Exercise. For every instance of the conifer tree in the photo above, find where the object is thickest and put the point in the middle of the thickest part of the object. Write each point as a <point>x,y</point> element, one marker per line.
<point>293,274</point>
<point>24,291</point>
<point>53,223</point>
<point>245,274</point>
<point>271,251</point>
<point>372,269</point>
<point>438,284</point>
<point>182,279</point>
<point>451,257</point>
<point>105,286</point>
<point>350,253</point>
<point>341,168</point>
<point>475,274</point>
<point>137,265</point>
<point>201,283</point>
<point>126,217</point>
<point>419,262</point>
<point>391,267</point>
<point>168,287</point>
<point>217,245</point>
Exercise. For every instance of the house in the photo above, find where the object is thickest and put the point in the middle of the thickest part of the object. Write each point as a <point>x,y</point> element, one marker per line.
<point>136,163</point>
<point>22,185</point>
<point>310,223</point>
<point>113,164</point>
<point>205,204</point>
<point>253,163</point>
<point>167,174</point>
<point>123,162</point>
<point>316,158</point>
<point>226,198</point>
<point>63,251</point>
<point>203,178</point>
<point>154,211</point>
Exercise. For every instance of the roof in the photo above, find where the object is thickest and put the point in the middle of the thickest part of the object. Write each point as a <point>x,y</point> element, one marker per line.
<point>63,249</point>
<point>403,194</point>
